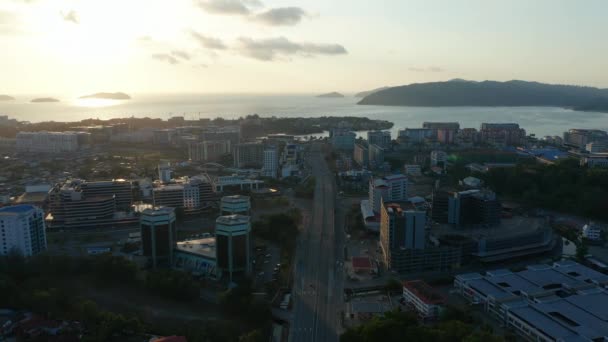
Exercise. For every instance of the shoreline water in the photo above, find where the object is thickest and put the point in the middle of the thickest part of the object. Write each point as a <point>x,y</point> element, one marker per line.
<point>535,120</point>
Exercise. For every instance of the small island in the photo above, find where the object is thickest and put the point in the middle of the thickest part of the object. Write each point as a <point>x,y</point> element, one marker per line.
<point>333,94</point>
<point>44,99</point>
<point>107,96</point>
<point>6,98</point>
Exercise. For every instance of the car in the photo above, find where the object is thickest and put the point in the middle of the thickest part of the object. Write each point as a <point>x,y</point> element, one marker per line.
<point>278,265</point>
<point>261,274</point>
<point>265,261</point>
<point>268,255</point>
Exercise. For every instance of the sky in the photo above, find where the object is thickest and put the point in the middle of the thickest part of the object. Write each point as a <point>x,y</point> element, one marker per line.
<point>75,47</point>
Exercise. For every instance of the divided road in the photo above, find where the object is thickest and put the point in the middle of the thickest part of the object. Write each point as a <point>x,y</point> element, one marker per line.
<point>318,279</point>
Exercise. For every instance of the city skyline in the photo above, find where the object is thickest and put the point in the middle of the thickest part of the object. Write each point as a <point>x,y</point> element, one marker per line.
<point>248,46</point>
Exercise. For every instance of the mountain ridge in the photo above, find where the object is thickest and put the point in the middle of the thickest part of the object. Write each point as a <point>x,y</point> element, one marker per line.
<point>486,93</point>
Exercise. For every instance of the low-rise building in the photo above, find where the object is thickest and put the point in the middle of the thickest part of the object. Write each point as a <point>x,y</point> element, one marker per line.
<point>438,158</point>
<point>565,301</point>
<point>595,160</point>
<point>419,296</point>
<point>198,257</point>
<point>412,169</point>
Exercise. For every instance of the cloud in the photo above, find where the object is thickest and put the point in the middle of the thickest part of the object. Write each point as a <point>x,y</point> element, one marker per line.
<point>228,7</point>
<point>164,57</point>
<point>181,54</point>
<point>9,23</point>
<point>427,69</point>
<point>282,16</point>
<point>71,16</point>
<point>208,42</point>
<point>281,47</point>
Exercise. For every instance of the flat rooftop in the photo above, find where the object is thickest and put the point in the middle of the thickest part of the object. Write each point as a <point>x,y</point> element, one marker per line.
<point>424,292</point>
<point>235,199</point>
<point>564,301</point>
<point>508,227</point>
<point>232,219</point>
<point>201,247</point>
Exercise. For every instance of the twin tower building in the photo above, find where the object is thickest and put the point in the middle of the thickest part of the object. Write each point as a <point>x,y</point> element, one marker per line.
<point>228,253</point>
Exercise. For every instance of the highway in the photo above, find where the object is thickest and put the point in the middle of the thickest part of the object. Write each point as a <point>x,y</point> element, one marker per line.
<point>318,279</point>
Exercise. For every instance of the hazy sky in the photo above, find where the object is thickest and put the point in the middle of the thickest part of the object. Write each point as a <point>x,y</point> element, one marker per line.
<point>73,47</point>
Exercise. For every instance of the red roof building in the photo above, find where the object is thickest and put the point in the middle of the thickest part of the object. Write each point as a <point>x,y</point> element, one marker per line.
<point>427,302</point>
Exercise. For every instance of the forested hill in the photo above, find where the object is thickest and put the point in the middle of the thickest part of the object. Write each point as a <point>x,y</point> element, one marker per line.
<point>487,93</point>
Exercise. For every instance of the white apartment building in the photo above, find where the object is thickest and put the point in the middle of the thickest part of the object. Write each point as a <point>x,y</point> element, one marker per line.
<point>592,231</point>
<point>423,299</point>
<point>47,142</point>
<point>438,157</point>
<point>412,169</point>
<point>22,229</point>
<point>271,163</point>
<point>389,188</point>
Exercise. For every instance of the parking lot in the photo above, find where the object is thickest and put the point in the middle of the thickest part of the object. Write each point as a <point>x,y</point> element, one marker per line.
<point>267,259</point>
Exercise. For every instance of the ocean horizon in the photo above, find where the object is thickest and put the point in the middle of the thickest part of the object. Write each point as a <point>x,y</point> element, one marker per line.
<point>535,120</point>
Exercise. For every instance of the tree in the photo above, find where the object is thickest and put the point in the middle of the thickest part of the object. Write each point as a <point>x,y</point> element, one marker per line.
<point>581,250</point>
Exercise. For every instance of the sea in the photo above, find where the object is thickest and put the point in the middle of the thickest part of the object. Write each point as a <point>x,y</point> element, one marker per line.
<point>540,121</point>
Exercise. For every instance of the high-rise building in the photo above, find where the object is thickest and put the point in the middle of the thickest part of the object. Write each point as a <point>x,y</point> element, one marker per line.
<point>579,138</point>
<point>342,139</point>
<point>208,150</point>
<point>380,138</point>
<point>47,142</point>
<point>361,154</point>
<point>502,134</point>
<point>22,230</point>
<point>233,244</point>
<point>446,135</point>
<point>376,156</point>
<point>470,207</point>
<point>158,235</point>
<point>415,135</point>
<point>230,133</point>
<point>165,172</point>
<point>271,162</point>
<point>402,226</point>
<point>249,155</point>
<point>389,188</point>
<point>236,204</point>
<point>441,125</point>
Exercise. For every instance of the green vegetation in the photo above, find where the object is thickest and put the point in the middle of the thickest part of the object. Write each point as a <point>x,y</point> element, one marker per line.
<point>564,186</point>
<point>281,229</point>
<point>307,189</point>
<point>240,302</point>
<point>400,326</point>
<point>57,287</point>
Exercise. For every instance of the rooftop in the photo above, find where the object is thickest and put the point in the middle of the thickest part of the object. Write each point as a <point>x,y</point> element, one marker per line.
<point>235,198</point>
<point>158,211</point>
<point>203,247</point>
<point>232,219</point>
<point>361,262</point>
<point>16,209</point>
<point>424,292</point>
